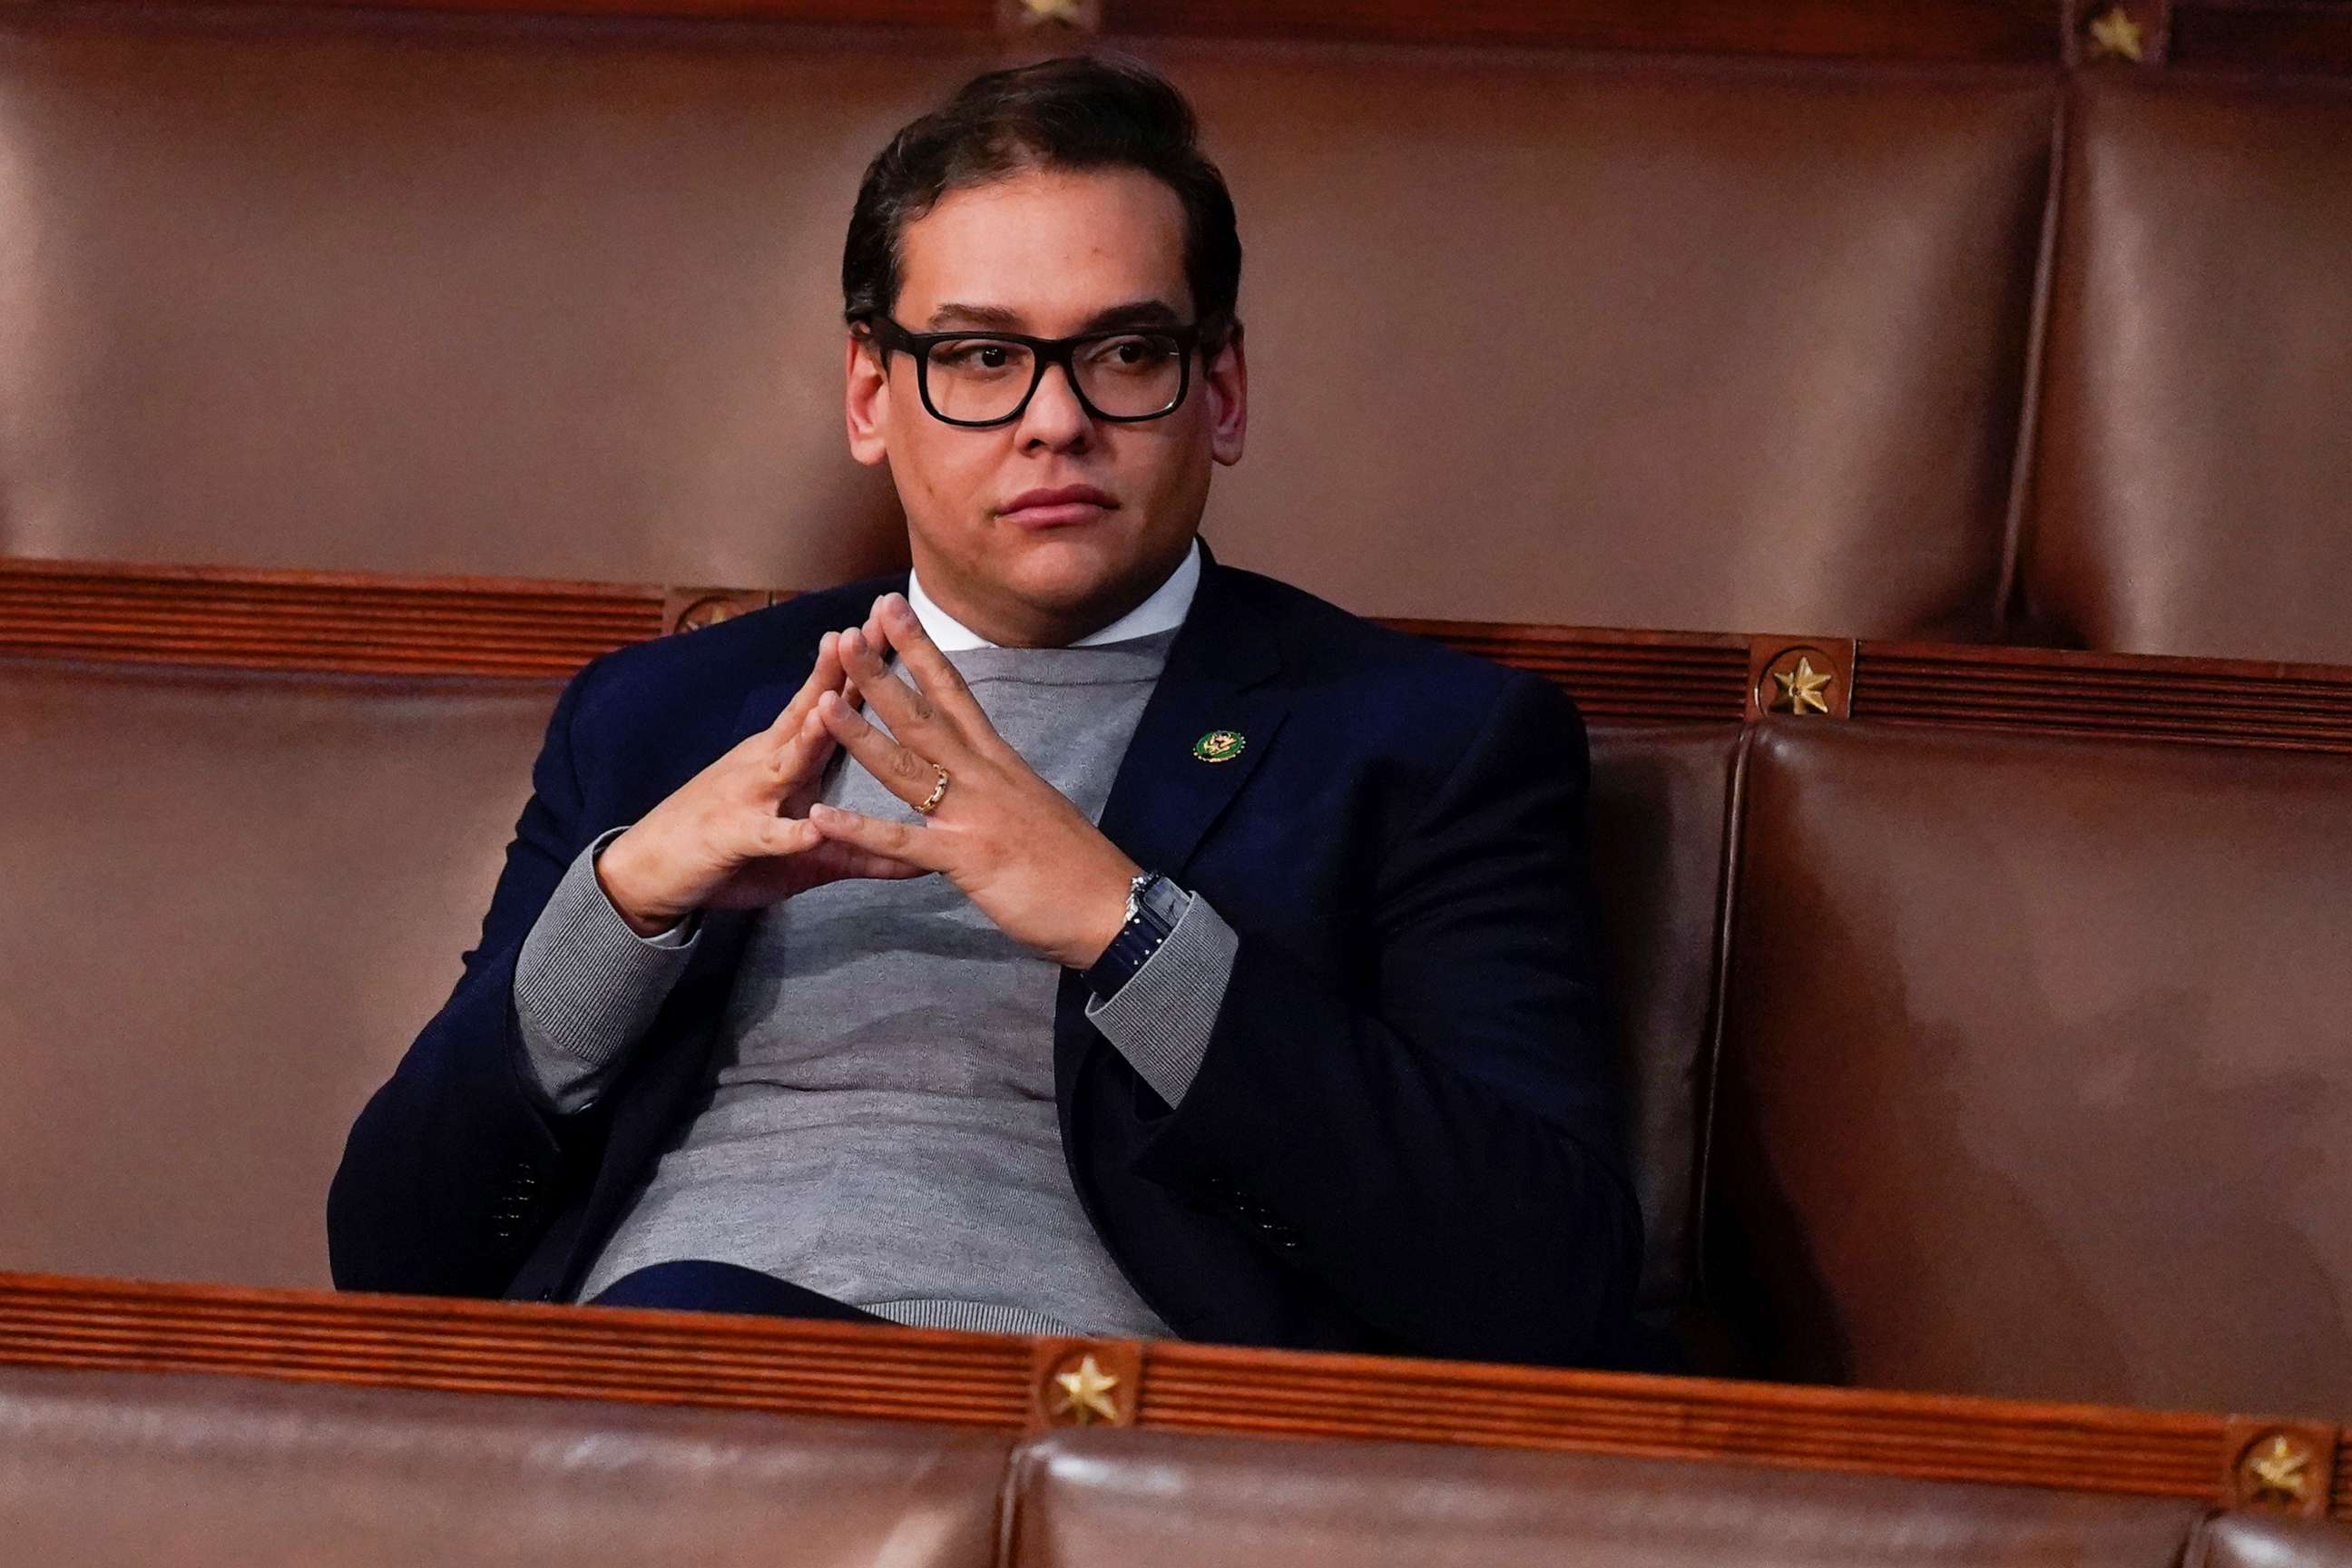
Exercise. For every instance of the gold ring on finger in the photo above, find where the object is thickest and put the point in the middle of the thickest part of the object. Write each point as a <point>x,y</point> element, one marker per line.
<point>931,803</point>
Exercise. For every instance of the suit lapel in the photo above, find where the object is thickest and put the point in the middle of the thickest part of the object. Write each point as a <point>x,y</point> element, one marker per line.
<point>1218,682</point>
<point>1220,677</point>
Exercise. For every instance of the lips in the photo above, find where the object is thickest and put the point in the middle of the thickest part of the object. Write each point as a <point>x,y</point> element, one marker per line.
<point>1057,508</point>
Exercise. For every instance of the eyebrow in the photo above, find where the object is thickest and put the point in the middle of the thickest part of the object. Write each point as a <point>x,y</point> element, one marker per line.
<point>986,318</point>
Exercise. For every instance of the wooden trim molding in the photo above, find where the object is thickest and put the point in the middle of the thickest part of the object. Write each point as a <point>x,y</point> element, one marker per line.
<point>2306,36</point>
<point>2218,702</point>
<point>1953,30</point>
<point>316,622</point>
<point>2263,34</point>
<point>1978,31</point>
<point>325,623</point>
<point>1009,1382</point>
<point>1642,676</point>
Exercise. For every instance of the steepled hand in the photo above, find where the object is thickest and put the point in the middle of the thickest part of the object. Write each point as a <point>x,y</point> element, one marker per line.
<point>1009,840</point>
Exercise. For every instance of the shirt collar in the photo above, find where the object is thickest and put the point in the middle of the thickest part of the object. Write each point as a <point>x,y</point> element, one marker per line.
<point>1163,611</point>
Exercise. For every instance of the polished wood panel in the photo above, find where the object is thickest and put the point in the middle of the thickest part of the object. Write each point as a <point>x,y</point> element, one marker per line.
<point>1975,30</point>
<point>333,624</point>
<point>981,1380</point>
<point>655,1358</point>
<point>312,621</point>
<point>2284,707</point>
<point>972,17</point>
<point>2314,36</point>
<point>2263,35</point>
<point>1613,674</point>
<point>1932,29</point>
<point>1212,1389</point>
<point>350,623</point>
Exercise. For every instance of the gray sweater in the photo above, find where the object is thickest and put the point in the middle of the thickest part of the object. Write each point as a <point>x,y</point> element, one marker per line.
<point>878,1123</point>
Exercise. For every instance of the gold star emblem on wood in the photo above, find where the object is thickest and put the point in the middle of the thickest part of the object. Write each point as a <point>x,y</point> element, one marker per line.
<point>708,612</point>
<point>1800,690</point>
<point>2115,33</point>
<point>1083,1395</point>
<point>2278,1471</point>
<point>1053,13</point>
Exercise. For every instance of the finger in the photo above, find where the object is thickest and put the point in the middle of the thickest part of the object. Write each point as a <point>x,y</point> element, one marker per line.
<point>765,832</point>
<point>934,676</point>
<point>910,715</point>
<point>825,675</point>
<point>779,837</point>
<point>904,773</point>
<point>802,755</point>
<point>843,862</point>
<point>905,842</point>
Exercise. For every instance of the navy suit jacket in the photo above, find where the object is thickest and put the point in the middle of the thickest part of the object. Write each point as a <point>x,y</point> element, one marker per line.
<point>1405,1133</point>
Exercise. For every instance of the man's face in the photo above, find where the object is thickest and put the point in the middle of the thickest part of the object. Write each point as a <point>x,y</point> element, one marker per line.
<point>1051,253</point>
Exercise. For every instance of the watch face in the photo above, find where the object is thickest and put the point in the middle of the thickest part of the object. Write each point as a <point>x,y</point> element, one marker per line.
<point>1162,901</point>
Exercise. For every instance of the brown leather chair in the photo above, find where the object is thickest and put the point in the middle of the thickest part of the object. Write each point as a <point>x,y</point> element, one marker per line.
<point>1632,342</point>
<point>129,1471</point>
<point>231,902</point>
<point>1152,1499</point>
<point>2196,428</point>
<point>2033,1076</point>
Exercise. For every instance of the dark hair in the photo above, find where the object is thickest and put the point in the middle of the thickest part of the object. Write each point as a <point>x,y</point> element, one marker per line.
<point>1072,113</point>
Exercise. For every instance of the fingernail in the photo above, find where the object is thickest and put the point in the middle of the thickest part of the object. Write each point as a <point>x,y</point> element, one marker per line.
<point>851,641</point>
<point>897,607</point>
<point>820,812</point>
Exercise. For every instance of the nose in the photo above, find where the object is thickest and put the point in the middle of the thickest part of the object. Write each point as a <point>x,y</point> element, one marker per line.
<point>1056,420</point>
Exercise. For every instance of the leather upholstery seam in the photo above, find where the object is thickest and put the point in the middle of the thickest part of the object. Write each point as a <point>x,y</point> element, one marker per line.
<point>2009,609</point>
<point>1734,828</point>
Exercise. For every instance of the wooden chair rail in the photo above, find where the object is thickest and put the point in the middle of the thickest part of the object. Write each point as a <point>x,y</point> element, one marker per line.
<point>1004,1382</point>
<point>324,623</point>
<point>2276,34</point>
<point>460,627</point>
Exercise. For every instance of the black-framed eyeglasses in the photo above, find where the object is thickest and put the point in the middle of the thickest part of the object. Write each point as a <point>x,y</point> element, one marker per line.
<point>979,379</point>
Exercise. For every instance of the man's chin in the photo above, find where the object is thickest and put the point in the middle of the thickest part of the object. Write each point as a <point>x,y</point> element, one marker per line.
<point>1067,575</point>
<point>1073,594</point>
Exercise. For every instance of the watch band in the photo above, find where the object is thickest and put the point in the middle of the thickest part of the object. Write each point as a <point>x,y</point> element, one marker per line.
<point>1154,905</point>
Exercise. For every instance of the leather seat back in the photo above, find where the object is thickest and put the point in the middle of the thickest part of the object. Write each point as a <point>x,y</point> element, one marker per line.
<point>2034,1075</point>
<point>127,1470</point>
<point>1630,343</point>
<point>1152,1499</point>
<point>233,899</point>
<point>2196,429</point>
<point>2259,1541</point>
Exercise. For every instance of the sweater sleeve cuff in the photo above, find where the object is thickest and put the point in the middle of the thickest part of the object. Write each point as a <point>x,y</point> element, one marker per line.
<point>1161,1018</point>
<point>587,986</point>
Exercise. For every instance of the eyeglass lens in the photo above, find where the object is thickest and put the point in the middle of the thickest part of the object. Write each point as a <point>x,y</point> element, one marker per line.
<point>1132,375</point>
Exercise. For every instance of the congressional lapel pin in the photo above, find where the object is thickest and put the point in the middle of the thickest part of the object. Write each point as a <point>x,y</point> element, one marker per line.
<point>1219,746</point>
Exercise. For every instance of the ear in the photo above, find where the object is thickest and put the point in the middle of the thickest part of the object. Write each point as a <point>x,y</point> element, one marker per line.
<point>1227,379</point>
<point>866,400</point>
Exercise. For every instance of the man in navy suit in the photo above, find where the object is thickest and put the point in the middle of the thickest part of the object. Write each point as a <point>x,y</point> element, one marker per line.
<point>1077,935</point>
